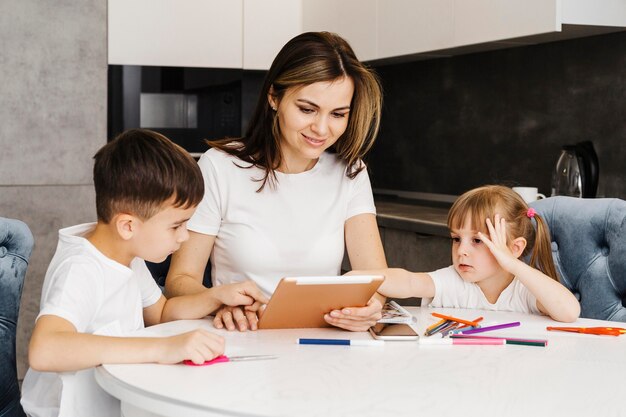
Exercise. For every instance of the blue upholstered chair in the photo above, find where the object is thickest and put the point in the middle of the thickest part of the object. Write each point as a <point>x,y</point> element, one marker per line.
<point>589,249</point>
<point>16,245</point>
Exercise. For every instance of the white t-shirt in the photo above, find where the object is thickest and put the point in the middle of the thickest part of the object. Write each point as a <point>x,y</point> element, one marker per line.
<point>99,296</point>
<point>452,291</point>
<point>294,229</point>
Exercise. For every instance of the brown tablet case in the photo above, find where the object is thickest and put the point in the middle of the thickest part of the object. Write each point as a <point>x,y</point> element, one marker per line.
<point>301,302</point>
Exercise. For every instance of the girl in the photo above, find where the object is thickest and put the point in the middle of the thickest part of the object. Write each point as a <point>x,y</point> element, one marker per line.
<point>491,228</point>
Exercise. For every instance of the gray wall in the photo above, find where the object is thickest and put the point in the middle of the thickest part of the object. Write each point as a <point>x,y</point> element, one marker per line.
<point>53,62</point>
<point>452,124</point>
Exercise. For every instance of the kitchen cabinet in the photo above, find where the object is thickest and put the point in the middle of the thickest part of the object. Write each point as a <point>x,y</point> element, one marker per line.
<point>248,33</point>
<point>189,33</point>
<point>480,21</point>
<point>354,20</point>
<point>413,26</point>
<point>427,28</point>
<point>267,26</point>
<point>415,252</point>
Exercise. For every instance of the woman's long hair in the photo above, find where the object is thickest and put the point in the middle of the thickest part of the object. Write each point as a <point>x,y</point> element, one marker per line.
<point>484,202</point>
<point>306,59</point>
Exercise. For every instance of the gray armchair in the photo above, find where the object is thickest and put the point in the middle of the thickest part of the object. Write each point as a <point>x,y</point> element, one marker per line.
<point>589,249</point>
<point>16,244</point>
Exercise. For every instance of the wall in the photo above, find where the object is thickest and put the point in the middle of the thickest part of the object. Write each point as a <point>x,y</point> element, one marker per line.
<point>455,123</point>
<point>53,119</point>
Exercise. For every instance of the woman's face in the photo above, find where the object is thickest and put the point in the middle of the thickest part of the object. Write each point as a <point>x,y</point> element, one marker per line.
<point>311,119</point>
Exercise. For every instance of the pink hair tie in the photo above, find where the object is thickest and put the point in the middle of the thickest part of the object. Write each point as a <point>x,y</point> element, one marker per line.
<point>530,213</point>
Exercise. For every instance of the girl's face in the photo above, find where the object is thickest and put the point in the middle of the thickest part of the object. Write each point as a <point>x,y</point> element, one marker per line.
<point>471,258</point>
<point>311,119</point>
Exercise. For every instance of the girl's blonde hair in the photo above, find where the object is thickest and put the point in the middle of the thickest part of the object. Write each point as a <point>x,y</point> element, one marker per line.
<point>484,202</point>
<point>309,58</point>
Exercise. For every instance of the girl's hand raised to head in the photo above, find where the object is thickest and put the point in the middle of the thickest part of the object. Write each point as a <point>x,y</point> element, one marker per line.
<point>506,253</point>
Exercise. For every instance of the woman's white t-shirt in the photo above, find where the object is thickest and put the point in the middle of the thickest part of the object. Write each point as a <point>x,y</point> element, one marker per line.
<point>293,229</point>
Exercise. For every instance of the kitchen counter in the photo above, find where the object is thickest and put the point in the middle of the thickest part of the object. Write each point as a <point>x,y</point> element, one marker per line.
<point>425,217</point>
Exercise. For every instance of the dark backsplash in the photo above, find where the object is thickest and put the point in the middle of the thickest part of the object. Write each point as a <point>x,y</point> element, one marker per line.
<point>451,124</point>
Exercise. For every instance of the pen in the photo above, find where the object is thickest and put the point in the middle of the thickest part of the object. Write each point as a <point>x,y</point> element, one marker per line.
<point>432,326</point>
<point>509,340</point>
<point>469,323</point>
<point>345,342</point>
<point>439,328</point>
<point>463,341</point>
<point>490,328</point>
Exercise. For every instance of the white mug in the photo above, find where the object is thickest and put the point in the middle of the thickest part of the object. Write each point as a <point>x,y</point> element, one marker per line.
<point>529,193</point>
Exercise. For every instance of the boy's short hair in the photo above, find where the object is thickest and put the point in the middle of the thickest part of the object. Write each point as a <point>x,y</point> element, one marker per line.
<point>139,170</point>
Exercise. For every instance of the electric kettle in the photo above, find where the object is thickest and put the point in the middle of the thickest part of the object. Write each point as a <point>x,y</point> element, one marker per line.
<point>576,171</point>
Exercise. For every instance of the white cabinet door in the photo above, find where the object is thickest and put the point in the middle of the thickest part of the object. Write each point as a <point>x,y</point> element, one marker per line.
<point>190,33</point>
<point>413,26</point>
<point>601,13</point>
<point>354,20</point>
<point>267,26</point>
<point>478,21</point>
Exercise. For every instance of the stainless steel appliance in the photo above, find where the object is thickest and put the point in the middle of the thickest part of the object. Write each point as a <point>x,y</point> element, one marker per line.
<point>187,105</point>
<point>576,171</point>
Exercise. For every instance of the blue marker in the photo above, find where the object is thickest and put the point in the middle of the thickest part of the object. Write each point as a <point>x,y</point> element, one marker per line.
<point>344,342</point>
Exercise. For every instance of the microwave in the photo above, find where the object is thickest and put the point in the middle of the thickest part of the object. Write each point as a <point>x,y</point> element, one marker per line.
<point>188,105</point>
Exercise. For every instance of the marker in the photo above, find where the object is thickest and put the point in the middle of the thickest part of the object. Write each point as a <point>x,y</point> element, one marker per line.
<point>432,326</point>
<point>458,320</point>
<point>344,342</point>
<point>462,341</point>
<point>490,328</point>
<point>511,340</point>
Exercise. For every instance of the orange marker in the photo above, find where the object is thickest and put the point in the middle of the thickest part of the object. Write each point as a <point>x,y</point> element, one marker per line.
<point>469,323</point>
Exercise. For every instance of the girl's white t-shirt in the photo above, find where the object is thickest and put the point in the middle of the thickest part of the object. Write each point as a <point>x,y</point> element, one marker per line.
<point>451,291</point>
<point>293,229</point>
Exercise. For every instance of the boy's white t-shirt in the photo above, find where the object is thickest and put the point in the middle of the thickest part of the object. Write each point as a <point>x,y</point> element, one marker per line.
<point>452,292</point>
<point>99,296</point>
<point>294,229</point>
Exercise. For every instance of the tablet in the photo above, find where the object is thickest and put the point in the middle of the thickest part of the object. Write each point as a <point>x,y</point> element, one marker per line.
<point>301,302</point>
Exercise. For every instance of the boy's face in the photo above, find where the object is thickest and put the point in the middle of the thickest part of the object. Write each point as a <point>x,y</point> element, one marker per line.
<point>162,234</point>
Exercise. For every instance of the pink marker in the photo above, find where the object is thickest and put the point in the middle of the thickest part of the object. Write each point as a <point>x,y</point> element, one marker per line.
<point>462,341</point>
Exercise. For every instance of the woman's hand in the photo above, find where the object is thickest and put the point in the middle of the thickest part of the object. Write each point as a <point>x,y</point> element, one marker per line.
<point>239,317</point>
<point>356,319</point>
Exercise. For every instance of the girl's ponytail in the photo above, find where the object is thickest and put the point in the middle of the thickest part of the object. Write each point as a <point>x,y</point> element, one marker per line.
<point>541,256</point>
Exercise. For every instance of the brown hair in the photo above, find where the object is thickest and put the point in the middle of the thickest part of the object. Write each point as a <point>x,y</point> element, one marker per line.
<point>484,202</point>
<point>139,170</point>
<point>306,59</point>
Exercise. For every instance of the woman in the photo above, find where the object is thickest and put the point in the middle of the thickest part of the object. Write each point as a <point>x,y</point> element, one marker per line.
<point>284,199</point>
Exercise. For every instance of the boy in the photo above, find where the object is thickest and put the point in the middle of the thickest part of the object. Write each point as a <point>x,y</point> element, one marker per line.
<point>98,288</point>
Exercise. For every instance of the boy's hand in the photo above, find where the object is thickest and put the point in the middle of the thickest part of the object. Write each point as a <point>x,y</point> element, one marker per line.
<point>240,294</point>
<point>198,346</point>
